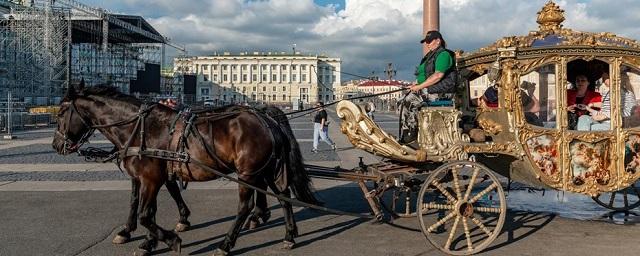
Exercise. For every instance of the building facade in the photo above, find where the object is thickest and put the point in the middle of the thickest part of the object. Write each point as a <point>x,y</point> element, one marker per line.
<point>259,77</point>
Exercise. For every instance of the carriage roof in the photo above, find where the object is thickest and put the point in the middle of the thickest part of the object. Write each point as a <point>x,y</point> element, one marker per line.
<point>551,38</point>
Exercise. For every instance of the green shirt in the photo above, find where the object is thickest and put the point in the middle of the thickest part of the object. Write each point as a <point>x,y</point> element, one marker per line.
<point>444,62</point>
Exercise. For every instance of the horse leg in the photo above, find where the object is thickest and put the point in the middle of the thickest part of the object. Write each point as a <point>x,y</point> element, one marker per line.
<point>148,207</point>
<point>260,211</point>
<point>244,208</point>
<point>174,191</point>
<point>290,222</point>
<point>132,222</point>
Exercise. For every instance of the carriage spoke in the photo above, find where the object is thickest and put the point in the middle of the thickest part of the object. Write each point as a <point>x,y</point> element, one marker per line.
<point>441,221</point>
<point>487,209</point>
<point>438,206</point>
<point>456,183</point>
<point>467,234</point>
<point>443,191</point>
<point>452,232</point>
<point>482,226</point>
<point>613,196</point>
<point>483,192</point>
<point>471,183</point>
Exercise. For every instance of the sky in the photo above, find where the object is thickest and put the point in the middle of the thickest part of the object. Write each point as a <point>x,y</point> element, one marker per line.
<point>365,34</point>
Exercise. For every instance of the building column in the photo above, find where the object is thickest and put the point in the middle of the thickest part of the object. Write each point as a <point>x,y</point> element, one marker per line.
<point>430,18</point>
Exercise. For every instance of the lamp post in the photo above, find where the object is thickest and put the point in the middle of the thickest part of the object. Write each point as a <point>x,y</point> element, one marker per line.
<point>430,18</point>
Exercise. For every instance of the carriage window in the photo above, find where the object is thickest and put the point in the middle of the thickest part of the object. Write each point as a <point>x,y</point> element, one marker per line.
<point>482,92</point>
<point>538,95</point>
<point>588,99</point>
<point>629,89</point>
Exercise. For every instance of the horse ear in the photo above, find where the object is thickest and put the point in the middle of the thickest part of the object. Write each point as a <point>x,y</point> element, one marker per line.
<point>71,92</point>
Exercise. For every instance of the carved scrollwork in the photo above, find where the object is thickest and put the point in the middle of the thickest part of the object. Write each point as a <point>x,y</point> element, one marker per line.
<point>490,126</point>
<point>439,134</point>
<point>365,134</point>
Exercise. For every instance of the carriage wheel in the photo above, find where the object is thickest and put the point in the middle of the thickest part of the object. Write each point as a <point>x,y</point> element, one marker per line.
<point>463,208</point>
<point>621,200</point>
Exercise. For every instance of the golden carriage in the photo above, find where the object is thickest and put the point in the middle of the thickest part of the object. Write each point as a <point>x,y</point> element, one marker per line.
<point>538,147</point>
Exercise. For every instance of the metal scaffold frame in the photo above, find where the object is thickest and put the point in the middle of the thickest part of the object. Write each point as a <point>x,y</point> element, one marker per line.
<point>46,45</point>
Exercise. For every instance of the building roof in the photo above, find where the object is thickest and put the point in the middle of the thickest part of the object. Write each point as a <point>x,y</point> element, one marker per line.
<point>399,83</point>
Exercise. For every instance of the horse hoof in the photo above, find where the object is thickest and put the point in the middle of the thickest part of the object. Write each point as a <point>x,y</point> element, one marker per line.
<point>120,239</point>
<point>176,244</point>
<point>253,224</point>
<point>219,252</point>
<point>287,245</point>
<point>141,252</point>
<point>182,227</point>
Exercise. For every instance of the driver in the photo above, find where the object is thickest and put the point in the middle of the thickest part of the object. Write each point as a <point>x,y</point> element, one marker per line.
<point>436,74</point>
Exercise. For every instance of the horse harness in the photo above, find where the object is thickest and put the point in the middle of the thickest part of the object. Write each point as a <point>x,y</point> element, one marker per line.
<point>183,156</point>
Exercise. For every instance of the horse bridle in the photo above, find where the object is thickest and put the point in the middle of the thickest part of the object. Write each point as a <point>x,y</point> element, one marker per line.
<point>69,146</point>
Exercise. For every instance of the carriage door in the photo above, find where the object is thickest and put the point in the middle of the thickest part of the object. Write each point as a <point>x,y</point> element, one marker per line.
<point>629,116</point>
<point>537,120</point>
<point>589,138</point>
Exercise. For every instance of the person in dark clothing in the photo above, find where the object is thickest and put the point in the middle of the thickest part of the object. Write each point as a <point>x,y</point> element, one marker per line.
<point>321,128</point>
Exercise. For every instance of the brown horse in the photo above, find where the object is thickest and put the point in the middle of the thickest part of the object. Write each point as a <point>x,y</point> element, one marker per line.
<point>242,140</point>
<point>261,211</point>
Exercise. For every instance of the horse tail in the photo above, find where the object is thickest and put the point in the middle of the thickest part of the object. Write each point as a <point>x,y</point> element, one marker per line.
<point>300,183</point>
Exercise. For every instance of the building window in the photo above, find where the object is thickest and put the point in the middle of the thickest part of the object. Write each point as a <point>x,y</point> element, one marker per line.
<point>244,67</point>
<point>254,78</point>
<point>204,91</point>
<point>215,77</point>
<point>264,88</point>
<point>274,67</point>
<point>284,67</point>
<point>214,67</point>
<point>303,67</point>
<point>244,89</point>
<point>284,78</point>
<point>254,89</point>
<point>284,88</point>
<point>264,67</point>
<point>224,67</point>
<point>274,78</point>
<point>206,77</point>
<point>275,98</point>
<point>205,67</point>
<point>234,67</point>
<point>274,89</point>
<point>253,97</point>
<point>284,97</point>
<point>254,67</point>
<point>294,78</point>
<point>225,78</point>
<point>264,77</point>
<point>304,78</point>
<point>244,77</point>
<point>264,97</point>
<point>235,77</point>
<point>293,67</point>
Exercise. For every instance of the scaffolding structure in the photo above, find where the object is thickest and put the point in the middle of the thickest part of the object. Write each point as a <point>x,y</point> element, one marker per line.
<point>34,52</point>
<point>47,45</point>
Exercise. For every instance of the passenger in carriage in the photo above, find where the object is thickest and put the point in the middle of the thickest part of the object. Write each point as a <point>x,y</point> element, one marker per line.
<point>579,99</point>
<point>530,104</point>
<point>436,76</point>
<point>599,120</point>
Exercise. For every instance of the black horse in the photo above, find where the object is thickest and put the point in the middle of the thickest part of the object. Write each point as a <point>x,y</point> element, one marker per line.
<point>243,141</point>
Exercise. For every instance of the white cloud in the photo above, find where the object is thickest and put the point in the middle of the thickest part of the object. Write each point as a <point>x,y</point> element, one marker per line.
<point>367,34</point>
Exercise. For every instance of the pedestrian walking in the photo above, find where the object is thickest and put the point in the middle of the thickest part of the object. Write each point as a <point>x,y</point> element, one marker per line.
<point>321,128</point>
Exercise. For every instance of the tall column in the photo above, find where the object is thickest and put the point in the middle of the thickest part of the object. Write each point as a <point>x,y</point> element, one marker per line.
<point>430,17</point>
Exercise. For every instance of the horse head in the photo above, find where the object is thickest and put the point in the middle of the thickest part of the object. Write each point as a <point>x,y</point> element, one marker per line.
<point>72,130</point>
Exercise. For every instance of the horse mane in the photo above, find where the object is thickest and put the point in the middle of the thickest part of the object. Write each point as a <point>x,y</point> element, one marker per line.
<point>110,92</point>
